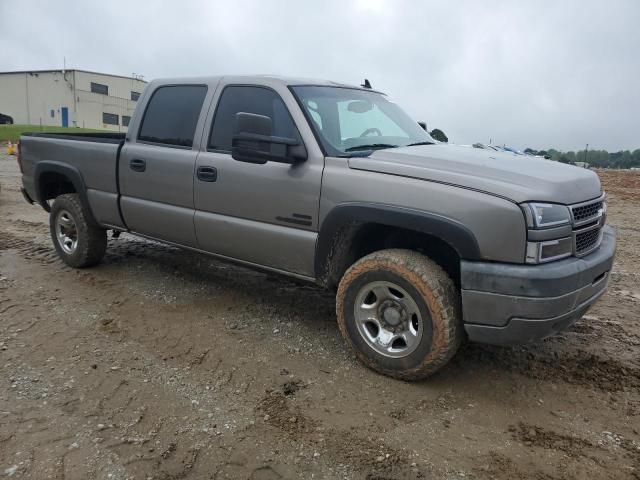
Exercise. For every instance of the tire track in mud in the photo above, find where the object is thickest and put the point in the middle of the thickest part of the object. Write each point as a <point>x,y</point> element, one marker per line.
<point>610,450</point>
<point>596,328</point>
<point>30,249</point>
<point>116,404</point>
<point>497,466</point>
<point>576,367</point>
<point>120,442</point>
<point>599,452</point>
<point>531,435</point>
<point>372,457</point>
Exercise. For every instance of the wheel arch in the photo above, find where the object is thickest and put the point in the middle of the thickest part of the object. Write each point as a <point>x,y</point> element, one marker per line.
<point>53,178</point>
<point>353,230</point>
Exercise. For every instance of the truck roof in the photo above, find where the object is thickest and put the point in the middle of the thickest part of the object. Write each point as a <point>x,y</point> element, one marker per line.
<point>257,79</point>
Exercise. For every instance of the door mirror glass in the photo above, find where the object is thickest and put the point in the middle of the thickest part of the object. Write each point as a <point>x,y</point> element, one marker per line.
<point>253,142</point>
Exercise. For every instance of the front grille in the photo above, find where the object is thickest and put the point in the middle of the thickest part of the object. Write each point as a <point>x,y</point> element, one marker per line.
<point>588,220</point>
<point>587,241</point>
<point>586,212</point>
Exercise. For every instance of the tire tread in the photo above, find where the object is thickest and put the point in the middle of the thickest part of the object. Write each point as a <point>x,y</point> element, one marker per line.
<point>91,251</point>
<point>438,291</point>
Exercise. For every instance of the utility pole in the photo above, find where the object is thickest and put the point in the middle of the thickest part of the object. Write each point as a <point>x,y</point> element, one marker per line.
<point>586,151</point>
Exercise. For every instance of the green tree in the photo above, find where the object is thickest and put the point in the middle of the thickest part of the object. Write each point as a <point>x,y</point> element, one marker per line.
<point>439,135</point>
<point>567,157</point>
<point>598,158</point>
<point>554,154</point>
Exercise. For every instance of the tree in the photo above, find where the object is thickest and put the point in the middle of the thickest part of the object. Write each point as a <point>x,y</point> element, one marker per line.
<point>568,157</point>
<point>598,158</point>
<point>439,135</point>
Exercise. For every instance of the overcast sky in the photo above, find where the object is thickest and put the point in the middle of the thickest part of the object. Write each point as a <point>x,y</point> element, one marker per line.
<point>528,73</point>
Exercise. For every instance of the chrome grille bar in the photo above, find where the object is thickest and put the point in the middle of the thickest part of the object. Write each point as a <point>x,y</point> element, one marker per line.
<point>587,219</point>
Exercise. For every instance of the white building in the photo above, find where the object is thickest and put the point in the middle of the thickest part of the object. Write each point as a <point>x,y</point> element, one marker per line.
<point>69,98</point>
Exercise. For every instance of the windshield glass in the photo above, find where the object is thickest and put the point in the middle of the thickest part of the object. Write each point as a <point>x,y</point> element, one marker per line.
<point>347,120</point>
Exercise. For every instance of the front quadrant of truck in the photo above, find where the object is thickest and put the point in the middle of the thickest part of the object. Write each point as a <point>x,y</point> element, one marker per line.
<point>425,243</point>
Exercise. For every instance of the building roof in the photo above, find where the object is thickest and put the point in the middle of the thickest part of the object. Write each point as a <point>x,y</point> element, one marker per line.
<point>271,78</point>
<point>71,70</point>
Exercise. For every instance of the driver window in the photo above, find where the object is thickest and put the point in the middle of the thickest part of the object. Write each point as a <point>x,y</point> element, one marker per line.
<point>354,122</point>
<point>249,99</point>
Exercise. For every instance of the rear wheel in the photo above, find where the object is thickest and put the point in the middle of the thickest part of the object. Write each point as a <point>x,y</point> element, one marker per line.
<point>400,312</point>
<point>78,242</point>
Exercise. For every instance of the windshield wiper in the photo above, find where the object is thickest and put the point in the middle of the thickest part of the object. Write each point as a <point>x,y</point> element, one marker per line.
<point>419,143</point>
<point>372,146</point>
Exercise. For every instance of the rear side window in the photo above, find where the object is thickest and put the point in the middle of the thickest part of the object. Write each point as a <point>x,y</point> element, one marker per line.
<point>258,100</point>
<point>172,115</point>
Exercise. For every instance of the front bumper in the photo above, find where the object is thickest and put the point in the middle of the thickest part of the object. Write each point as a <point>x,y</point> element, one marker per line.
<point>506,304</point>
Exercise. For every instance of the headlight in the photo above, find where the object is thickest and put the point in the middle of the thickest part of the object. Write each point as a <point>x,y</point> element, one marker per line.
<point>544,215</point>
<point>542,252</point>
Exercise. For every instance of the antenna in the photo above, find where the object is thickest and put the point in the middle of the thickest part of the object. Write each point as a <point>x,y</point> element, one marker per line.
<point>366,84</point>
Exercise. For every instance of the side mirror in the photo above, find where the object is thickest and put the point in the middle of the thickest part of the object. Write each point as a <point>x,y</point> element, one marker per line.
<point>253,142</point>
<point>423,125</point>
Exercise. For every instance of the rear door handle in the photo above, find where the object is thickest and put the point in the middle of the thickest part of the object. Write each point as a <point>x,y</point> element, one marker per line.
<point>207,174</point>
<point>137,165</point>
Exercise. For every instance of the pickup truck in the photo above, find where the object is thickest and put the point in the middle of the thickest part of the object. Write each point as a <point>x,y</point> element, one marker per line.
<point>425,244</point>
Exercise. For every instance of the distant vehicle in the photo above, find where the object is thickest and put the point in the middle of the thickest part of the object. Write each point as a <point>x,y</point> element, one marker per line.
<point>5,119</point>
<point>512,150</point>
<point>487,147</point>
<point>425,243</point>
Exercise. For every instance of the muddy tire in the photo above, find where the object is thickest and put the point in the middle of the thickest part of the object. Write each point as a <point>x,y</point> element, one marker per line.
<point>400,312</point>
<point>78,242</point>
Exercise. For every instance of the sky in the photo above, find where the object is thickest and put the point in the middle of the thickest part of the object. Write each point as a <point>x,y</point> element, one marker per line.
<point>538,73</point>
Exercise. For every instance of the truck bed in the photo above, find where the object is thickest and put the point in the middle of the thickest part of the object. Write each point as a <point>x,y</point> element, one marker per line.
<point>107,137</point>
<point>92,156</point>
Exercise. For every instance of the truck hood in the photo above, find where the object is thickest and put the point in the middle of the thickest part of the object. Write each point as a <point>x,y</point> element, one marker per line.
<point>519,178</point>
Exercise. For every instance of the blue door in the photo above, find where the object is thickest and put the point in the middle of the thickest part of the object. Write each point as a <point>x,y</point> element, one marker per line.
<point>65,117</point>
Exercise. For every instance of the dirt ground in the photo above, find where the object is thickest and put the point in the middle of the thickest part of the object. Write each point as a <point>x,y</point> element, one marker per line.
<point>165,364</point>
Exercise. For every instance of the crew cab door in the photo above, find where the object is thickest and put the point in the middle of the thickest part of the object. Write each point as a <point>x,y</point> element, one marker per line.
<point>156,165</point>
<point>265,214</point>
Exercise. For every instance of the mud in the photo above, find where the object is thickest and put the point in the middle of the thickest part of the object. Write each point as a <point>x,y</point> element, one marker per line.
<point>165,364</point>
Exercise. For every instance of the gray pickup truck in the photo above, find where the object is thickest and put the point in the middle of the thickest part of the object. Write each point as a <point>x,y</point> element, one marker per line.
<point>425,243</point>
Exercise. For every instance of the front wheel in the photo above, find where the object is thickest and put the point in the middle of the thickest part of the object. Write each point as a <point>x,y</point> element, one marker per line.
<point>78,242</point>
<point>400,312</point>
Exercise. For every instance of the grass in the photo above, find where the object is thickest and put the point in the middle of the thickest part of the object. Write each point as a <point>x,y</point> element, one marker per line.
<point>12,132</point>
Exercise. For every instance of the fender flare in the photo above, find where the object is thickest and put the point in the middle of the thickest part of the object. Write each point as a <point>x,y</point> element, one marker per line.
<point>342,216</point>
<point>68,171</point>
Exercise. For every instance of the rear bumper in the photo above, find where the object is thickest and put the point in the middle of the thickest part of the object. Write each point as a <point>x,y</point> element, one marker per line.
<point>507,304</point>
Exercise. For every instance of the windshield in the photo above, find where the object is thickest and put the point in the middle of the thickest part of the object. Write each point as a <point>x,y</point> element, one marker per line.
<point>349,120</point>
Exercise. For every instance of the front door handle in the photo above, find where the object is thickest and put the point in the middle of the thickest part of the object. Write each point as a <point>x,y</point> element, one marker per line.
<point>138,165</point>
<point>207,174</point>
